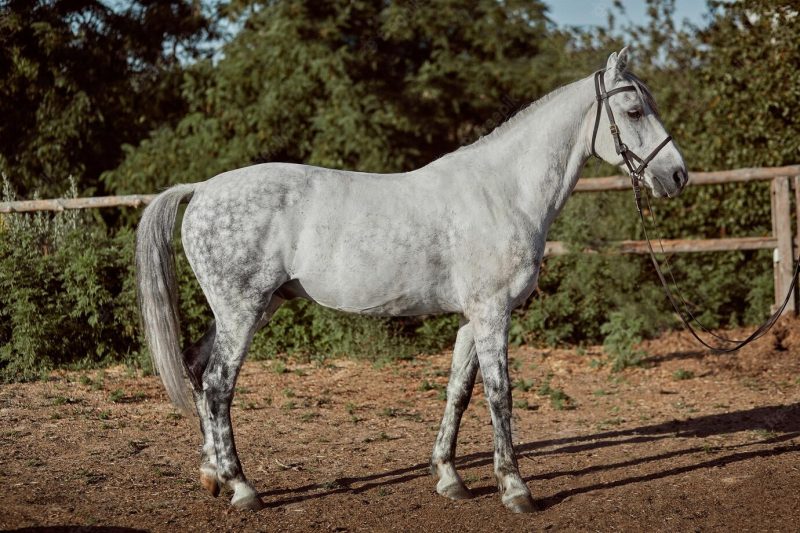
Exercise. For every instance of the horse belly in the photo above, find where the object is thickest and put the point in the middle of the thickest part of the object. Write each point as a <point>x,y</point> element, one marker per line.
<point>379,283</point>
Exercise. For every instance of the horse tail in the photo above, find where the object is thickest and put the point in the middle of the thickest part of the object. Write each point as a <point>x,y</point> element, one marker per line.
<point>157,290</point>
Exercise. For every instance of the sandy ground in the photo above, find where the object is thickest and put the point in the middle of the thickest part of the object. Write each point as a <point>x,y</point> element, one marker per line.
<point>691,441</point>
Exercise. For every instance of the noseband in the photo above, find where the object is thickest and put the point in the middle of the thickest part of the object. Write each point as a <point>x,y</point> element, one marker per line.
<point>622,149</point>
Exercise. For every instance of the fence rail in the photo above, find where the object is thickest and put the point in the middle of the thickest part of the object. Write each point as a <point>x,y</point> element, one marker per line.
<point>781,241</point>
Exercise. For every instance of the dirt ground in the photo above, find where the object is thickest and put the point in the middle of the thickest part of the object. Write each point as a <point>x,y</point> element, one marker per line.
<point>691,441</point>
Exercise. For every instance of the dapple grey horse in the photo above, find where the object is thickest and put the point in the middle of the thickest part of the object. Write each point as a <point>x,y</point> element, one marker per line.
<point>464,234</point>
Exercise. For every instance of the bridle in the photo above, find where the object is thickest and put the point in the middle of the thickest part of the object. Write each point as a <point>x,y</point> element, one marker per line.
<point>629,157</point>
<point>622,149</point>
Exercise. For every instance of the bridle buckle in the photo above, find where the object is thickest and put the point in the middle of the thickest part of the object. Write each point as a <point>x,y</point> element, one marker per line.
<point>614,129</point>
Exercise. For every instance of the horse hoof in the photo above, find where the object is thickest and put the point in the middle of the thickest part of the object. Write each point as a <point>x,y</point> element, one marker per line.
<point>248,503</point>
<point>520,504</point>
<point>454,491</point>
<point>210,483</point>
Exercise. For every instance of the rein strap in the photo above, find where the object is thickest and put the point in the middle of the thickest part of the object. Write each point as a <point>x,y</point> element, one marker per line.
<point>629,157</point>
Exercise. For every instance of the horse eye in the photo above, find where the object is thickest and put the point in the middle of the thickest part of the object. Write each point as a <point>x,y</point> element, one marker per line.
<point>635,114</point>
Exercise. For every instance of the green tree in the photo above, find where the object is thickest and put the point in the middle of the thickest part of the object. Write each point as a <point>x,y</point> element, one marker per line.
<point>364,84</point>
<point>80,79</point>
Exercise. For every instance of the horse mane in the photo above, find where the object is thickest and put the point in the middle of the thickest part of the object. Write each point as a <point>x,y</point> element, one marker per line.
<point>641,88</point>
<point>523,111</point>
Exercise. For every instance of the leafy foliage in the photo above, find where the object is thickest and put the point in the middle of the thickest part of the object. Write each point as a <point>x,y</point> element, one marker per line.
<point>80,78</point>
<point>364,85</point>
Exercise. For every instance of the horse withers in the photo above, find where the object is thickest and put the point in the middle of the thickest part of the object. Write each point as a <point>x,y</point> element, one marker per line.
<point>464,234</point>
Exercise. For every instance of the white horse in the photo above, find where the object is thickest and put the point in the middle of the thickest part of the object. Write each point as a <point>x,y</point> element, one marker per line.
<point>465,234</point>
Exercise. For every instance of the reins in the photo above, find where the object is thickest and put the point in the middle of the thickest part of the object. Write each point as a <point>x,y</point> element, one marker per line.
<point>629,157</point>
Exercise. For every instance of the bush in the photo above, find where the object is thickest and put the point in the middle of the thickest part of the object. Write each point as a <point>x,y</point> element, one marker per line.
<point>66,294</point>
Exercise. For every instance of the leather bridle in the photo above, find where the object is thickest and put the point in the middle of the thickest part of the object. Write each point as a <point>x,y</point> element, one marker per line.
<point>622,149</point>
<point>635,172</point>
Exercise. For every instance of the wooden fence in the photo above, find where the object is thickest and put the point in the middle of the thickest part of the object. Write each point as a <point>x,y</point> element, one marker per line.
<point>781,241</point>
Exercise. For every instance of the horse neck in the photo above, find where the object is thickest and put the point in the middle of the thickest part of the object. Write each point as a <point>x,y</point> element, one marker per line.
<point>538,155</point>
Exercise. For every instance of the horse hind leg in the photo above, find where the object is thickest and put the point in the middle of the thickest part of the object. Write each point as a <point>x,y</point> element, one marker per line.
<point>196,359</point>
<point>459,390</point>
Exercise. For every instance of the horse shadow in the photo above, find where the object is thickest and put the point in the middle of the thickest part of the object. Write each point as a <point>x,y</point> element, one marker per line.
<point>780,424</point>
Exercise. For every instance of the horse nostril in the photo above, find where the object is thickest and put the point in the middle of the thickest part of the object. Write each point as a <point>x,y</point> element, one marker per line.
<point>677,177</point>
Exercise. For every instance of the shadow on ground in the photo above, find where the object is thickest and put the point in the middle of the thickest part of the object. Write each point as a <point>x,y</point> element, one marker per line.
<point>781,423</point>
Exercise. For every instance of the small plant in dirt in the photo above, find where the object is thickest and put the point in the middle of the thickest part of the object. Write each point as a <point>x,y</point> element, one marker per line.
<point>682,374</point>
<point>104,415</point>
<point>621,337</point>
<point>289,393</point>
<point>279,367</point>
<point>559,400</point>
<point>390,412</point>
<point>522,404</point>
<point>470,478</point>
<point>248,405</point>
<point>117,395</point>
<point>426,386</point>
<point>442,390</point>
<point>523,384</point>
<point>382,436</point>
<point>308,417</point>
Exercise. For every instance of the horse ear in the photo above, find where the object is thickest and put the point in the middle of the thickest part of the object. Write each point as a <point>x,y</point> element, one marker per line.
<point>622,60</point>
<point>618,62</point>
<point>611,64</point>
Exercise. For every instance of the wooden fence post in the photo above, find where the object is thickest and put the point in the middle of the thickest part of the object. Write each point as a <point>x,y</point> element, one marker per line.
<point>783,256</point>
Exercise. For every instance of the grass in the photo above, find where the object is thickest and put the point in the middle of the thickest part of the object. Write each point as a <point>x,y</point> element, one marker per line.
<point>682,374</point>
<point>382,436</point>
<point>308,417</point>
<point>427,386</point>
<point>522,404</point>
<point>523,384</point>
<point>559,399</point>
<point>116,395</point>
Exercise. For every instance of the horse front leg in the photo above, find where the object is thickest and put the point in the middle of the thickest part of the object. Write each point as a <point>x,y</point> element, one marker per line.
<point>491,343</point>
<point>459,390</point>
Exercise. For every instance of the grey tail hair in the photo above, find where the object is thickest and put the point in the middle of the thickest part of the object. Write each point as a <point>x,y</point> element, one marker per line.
<point>157,290</point>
